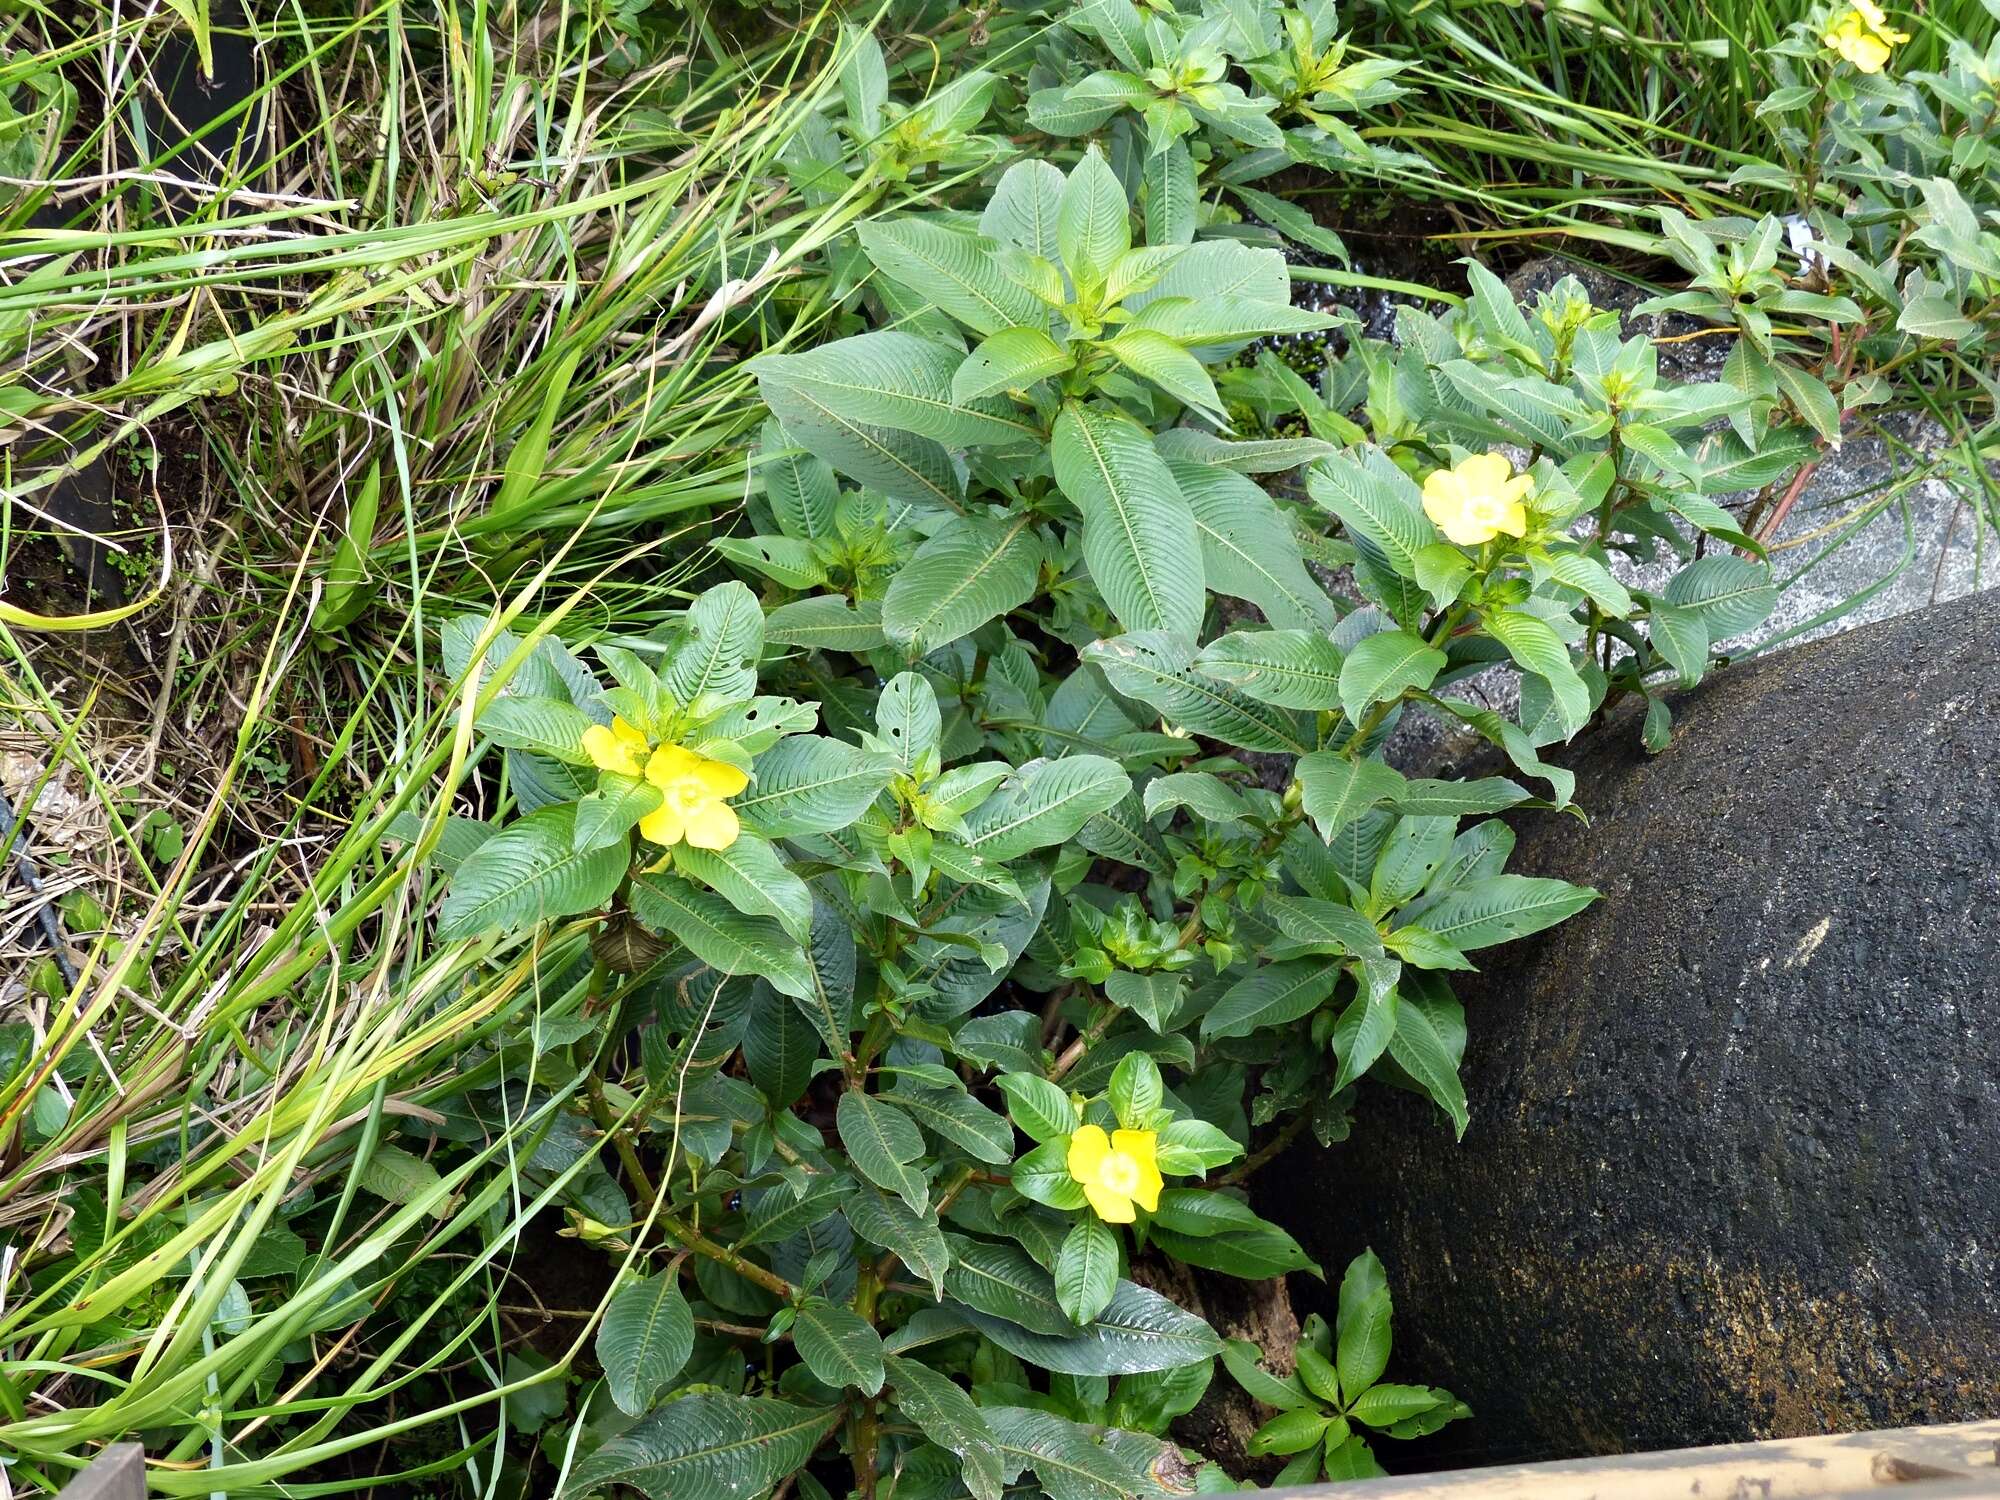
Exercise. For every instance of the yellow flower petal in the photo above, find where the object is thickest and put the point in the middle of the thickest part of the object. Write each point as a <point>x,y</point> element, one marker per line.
<point>663,825</point>
<point>1111,1207</point>
<point>1087,1150</point>
<point>1477,500</point>
<point>712,825</point>
<point>718,778</point>
<point>669,764</point>
<point>609,752</point>
<point>1140,1145</point>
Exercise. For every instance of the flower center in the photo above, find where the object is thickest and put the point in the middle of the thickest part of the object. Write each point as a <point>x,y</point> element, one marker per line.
<point>1119,1173</point>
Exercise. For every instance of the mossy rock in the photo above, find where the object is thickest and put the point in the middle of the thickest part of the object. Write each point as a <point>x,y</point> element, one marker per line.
<point>1733,1170</point>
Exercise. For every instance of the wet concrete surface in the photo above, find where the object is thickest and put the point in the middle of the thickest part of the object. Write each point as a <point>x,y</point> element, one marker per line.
<point>1733,1169</point>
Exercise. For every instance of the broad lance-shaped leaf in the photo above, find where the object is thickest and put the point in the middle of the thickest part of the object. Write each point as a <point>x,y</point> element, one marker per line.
<point>1003,1281</point>
<point>1139,535</point>
<point>718,934</point>
<point>1044,803</point>
<point>1138,1330</point>
<point>780,1046</point>
<point>1011,360</point>
<point>1153,356</point>
<point>895,380</point>
<point>1024,207</point>
<point>1067,1459</point>
<point>954,270</point>
<point>725,632</point>
<point>827,622</point>
<point>1382,666</point>
<point>1336,790</point>
<point>546,725</point>
<point>1291,668</point>
<point>960,1119</point>
<point>1378,503</point>
<point>799,485</point>
<point>705,1446</point>
<point>1248,551</point>
<point>1158,669</point>
<point>883,1220</point>
<point>883,1142</point>
<point>902,465</point>
<point>947,1416</point>
<point>809,784</point>
<point>1362,1351</point>
<point>607,814</point>
<point>1536,648</point>
<point>839,1346</point>
<point>1731,594</point>
<point>527,872</point>
<point>1272,996</point>
<point>1501,908</point>
<point>1093,220</point>
<point>974,569</point>
<point>645,1338</point>
<point>752,877</point>
<point>1366,1027</point>
<point>1086,1270</point>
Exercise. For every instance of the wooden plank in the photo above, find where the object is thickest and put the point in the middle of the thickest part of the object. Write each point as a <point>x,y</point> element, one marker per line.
<point>1956,1462</point>
<point>118,1473</point>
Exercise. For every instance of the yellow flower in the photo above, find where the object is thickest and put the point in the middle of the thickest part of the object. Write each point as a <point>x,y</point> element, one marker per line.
<point>1478,500</point>
<point>1863,36</point>
<point>618,748</point>
<point>692,788</point>
<point>1116,1170</point>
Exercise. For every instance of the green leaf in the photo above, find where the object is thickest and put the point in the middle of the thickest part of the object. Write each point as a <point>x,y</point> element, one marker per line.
<point>778,1214</point>
<point>952,269</point>
<point>1011,360</point>
<point>1241,1358</point>
<point>1212,798</point>
<point>1325,926</point>
<point>883,1142</point>
<point>1086,1271</point>
<point>707,1445</point>
<point>718,934</point>
<point>1731,594</point>
<point>1422,1051</point>
<point>1384,1405</point>
<point>1093,220</point>
<point>1291,668</point>
<point>1197,449</point>
<point>1138,1330</point>
<point>529,871</point>
<point>544,725</point>
<point>1591,578</point>
<point>1368,1025</point>
<point>839,1346</point>
<point>645,1338</point>
<point>827,623</point>
<point>1207,321</point>
<point>1248,551</point>
<point>754,879</point>
<point>1501,908</point>
<point>1152,997</point>
<point>786,561</point>
<point>1139,537</point>
<point>1039,1109</point>
<point>1361,1352</point>
<point>1188,1147</point>
<point>1003,1281</point>
<point>946,1415</point>
<point>974,569</point>
<point>1681,636</point>
<point>1172,196</point>
<point>914,1237</point>
<point>1289,1432</point>
<point>605,816</point>
<point>396,1176</point>
<point>891,379</point>
<point>1045,802</point>
<point>1536,648</point>
<point>1024,208</point>
<point>1136,1091</point>
<point>1069,1462</point>
<point>1254,1254</point>
<point>1153,356</point>
<point>1158,669</point>
<point>1378,503</point>
<point>902,465</point>
<point>960,1119</point>
<point>1272,996</point>
<point>1042,1176</point>
<point>810,784</point>
<point>780,1047</point>
<point>799,486</point>
<point>725,632</point>
<point>1381,667</point>
<point>1353,1459</point>
<point>1335,790</point>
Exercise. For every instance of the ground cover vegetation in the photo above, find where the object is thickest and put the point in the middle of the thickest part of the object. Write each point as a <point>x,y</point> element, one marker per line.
<point>734,785</point>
